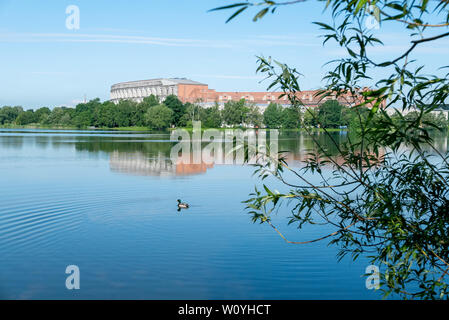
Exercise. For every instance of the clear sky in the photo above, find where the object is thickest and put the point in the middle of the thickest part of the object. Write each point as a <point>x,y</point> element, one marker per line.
<point>42,63</point>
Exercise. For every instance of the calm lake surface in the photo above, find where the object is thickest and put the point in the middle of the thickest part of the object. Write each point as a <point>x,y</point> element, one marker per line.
<point>106,202</point>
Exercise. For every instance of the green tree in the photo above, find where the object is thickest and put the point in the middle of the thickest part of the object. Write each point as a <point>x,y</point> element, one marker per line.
<point>61,116</point>
<point>26,117</point>
<point>9,114</point>
<point>291,117</point>
<point>254,118</point>
<point>310,118</point>
<point>139,110</point>
<point>193,112</point>
<point>151,101</point>
<point>159,117</point>
<point>82,119</point>
<point>138,116</point>
<point>330,114</point>
<point>84,113</point>
<point>42,114</point>
<point>441,121</point>
<point>428,120</point>
<point>178,109</point>
<point>272,116</point>
<point>235,112</point>
<point>211,117</point>
<point>105,115</point>
<point>383,203</point>
<point>125,111</point>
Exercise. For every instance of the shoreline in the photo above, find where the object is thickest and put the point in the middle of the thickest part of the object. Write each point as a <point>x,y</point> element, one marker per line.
<point>144,129</point>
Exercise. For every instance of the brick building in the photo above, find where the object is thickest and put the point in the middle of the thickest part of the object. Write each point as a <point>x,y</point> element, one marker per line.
<point>196,92</point>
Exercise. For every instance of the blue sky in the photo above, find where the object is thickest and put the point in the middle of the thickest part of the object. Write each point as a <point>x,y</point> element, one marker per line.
<point>42,63</point>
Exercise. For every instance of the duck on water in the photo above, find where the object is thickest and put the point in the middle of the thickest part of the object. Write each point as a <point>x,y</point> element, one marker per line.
<point>182,205</point>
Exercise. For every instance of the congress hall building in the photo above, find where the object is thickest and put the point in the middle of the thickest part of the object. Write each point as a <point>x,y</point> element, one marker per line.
<point>195,92</point>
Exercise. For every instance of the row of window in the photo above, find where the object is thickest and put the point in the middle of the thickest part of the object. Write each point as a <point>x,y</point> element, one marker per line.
<point>304,97</point>
<point>142,92</point>
<point>250,98</point>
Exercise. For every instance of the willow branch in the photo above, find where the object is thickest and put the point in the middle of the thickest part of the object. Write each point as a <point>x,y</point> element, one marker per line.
<point>414,23</point>
<point>310,241</point>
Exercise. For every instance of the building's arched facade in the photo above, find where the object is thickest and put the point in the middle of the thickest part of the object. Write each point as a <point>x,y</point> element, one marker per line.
<point>138,90</point>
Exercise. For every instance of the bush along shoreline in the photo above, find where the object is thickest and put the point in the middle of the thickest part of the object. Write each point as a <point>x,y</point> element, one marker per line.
<point>152,114</point>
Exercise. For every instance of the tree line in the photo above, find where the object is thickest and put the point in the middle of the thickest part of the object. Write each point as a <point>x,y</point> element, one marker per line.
<point>172,112</point>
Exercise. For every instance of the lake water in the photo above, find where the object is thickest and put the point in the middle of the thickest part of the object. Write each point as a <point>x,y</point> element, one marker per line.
<point>106,202</point>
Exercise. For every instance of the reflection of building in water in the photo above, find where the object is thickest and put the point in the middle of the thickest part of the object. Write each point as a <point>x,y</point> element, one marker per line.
<point>139,164</point>
<point>187,169</point>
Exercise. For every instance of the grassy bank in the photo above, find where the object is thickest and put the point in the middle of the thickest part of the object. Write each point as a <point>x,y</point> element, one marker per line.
<point>36,126</point>
<point>47,127</point>
<point>146,129</point>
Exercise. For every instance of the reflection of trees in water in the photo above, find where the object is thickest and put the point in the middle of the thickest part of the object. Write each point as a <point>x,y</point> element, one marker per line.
<point>11,142</point>
<point>108,145</point>
<point>153,158</point>
<point>150,155</point>
<point>42,142</point>
<point>298,144</point>
<point>293,142</point>
<point>132,156</point>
